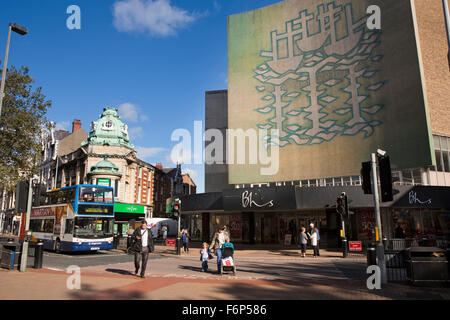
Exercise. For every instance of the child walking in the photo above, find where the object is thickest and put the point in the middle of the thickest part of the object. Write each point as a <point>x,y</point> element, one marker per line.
<point>205,255</point>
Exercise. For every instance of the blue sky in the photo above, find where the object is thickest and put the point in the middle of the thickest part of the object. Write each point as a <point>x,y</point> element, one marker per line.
<point>152,59</point>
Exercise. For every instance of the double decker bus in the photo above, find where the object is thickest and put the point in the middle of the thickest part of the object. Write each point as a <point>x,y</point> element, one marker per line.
<point>75,218</point>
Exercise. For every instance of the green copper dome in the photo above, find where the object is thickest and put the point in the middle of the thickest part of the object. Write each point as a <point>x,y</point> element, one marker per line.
<point>109,130</point>
<point>105,167</point>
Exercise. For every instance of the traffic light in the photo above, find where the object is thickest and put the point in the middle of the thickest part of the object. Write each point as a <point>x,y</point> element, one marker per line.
<point>365,177</point>
<point>340,205</point>
<point>384,164</point>
<point>21,196</point>
<point>176,208</point>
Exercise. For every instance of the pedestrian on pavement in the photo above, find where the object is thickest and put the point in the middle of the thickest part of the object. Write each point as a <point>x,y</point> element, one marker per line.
<point>185,239</point>
<point>164,230</point>
<point>205,255</point>
<point>227,232</point>
<point>220,237</point>
<point>318,236</point>
<point>143,244</point>
<point>303,241</point>
<point>314,242</point>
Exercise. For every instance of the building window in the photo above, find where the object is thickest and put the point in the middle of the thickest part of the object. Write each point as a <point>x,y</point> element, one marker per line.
<point>116,188</point>
<point>139,193</point>
<point>442,153</point>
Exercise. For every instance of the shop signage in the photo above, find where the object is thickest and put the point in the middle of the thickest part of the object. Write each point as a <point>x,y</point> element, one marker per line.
<point>170,242</point>
<point>248,202</point>
<point>103,182</point>
<point>258,199</point>
<point>425,196</point>
<point>413,199</point>
<point>355,246</point>
<point>129,208</point>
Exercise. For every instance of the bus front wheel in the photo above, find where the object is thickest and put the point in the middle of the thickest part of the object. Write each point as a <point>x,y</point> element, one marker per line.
<point>58,246</point>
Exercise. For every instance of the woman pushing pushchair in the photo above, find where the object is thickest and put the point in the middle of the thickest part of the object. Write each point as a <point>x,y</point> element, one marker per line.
<point>219,239</point>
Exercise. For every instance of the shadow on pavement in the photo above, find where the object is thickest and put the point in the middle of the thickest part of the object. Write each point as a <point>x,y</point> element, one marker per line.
<point>88,293</point>
<point>119,271</point>
<point>197,269</point>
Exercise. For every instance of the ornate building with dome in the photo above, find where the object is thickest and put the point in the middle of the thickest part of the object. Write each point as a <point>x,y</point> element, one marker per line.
<point>105,156</point>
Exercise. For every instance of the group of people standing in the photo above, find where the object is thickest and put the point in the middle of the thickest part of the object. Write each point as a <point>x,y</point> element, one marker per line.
<point>313,236</point>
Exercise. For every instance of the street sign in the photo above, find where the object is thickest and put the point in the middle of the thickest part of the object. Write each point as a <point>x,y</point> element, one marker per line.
<point>170,242</point>
<point>355,246</point>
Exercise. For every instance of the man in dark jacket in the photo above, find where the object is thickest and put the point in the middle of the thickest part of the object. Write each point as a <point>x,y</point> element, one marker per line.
<point>142,245</point>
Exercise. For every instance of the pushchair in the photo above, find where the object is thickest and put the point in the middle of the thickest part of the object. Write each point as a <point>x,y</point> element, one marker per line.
<point>227,261</point>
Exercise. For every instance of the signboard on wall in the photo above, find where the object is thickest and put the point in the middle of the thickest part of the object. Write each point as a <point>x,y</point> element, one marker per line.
<point>260,199</point>
<point>103,182</point>
<point>335,89</point>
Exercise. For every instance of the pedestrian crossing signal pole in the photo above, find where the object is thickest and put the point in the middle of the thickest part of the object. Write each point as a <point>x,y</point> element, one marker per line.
<point>378,231</point>
<point>342,209</point>
<point>177,213</point>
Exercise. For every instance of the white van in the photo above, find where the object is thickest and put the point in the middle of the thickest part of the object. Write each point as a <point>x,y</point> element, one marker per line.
<point>155,225</point>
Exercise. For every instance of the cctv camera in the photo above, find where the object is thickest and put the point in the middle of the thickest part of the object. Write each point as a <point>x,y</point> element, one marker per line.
<point>381,152</point>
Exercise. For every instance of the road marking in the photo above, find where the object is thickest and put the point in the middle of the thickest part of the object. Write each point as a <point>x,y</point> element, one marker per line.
<point>54,269</point>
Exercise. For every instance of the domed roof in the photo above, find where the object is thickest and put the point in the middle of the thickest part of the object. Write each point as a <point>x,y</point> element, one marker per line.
<point>109,130</point>
<point>105,167</point>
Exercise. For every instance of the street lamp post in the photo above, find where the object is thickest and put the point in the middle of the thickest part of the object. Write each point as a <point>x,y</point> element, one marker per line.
<point>24,259</point>
<point>378,231</point>
<point>22,31</point>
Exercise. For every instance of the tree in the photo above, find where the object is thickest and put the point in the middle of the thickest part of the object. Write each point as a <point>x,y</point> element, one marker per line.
<point>21,123</point>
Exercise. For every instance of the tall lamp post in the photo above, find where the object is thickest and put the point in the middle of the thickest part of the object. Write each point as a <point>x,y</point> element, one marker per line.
<point>378,230</point>
<point>17,28</point>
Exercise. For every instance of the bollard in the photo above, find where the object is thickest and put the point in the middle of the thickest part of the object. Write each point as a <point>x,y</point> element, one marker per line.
<point>385,243</point>
<point>344,247</point>
<point>178,246</point>
<point>38,255</point>
<point>371,255</point>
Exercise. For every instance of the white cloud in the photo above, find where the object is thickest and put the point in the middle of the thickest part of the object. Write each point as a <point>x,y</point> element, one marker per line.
<point>217,6</point>
<point>64,125</point>
<point>136,132</point>
<point>147,153</point>
<point>192,173</point>
<point>128,111</point>
<point>157,17</point>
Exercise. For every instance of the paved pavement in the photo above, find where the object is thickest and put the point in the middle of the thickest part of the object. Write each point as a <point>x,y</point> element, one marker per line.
<point>261,274</point>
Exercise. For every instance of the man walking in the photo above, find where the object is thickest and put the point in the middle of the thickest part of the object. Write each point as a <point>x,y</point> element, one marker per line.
<point>143,244</point>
